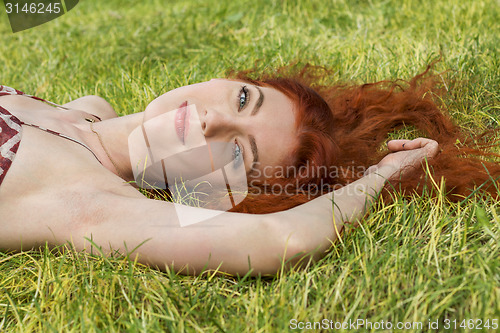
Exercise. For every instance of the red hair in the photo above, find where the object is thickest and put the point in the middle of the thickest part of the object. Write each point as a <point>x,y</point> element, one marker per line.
<point>343,126</point>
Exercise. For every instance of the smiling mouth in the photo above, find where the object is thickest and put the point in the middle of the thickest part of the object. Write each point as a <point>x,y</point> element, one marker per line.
<point>182,122</point>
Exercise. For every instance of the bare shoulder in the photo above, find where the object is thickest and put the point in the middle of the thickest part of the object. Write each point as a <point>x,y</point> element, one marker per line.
<point>94,105</point>
<point>51,197</point>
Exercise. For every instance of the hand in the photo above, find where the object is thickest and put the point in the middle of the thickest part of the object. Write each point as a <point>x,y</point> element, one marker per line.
<point>405,154</point>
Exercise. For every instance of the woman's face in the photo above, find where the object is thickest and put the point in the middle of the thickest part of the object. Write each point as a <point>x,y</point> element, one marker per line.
<point>258,122</point>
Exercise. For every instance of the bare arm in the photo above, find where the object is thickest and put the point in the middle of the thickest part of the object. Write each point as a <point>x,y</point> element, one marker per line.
<point>235,243</point>
<point>231,242</point>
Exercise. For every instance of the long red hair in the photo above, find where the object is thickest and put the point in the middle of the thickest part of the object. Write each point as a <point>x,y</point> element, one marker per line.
<point>342,127</point>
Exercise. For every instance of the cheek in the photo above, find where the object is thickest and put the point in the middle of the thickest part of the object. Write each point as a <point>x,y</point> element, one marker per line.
<point>204,89</point>
<point>204,95</point>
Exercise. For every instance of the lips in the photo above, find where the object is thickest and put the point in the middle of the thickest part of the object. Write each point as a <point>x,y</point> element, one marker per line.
<point>182,121</point>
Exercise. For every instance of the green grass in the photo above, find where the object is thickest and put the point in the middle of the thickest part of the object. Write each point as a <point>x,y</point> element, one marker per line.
<point>416,260</point>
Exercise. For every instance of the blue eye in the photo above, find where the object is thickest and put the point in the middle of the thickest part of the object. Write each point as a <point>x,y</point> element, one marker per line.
<point>237,155</point>
<point>243,98</point>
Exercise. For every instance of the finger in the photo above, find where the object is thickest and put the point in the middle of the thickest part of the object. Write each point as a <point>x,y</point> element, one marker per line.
<point>397,145</point>
<point>429,147</point>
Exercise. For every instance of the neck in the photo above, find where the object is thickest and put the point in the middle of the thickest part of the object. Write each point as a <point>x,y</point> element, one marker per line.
<point>109,141</point>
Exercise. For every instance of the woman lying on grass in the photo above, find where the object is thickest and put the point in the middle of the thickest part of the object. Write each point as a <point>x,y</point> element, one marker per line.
<point>72,176</point>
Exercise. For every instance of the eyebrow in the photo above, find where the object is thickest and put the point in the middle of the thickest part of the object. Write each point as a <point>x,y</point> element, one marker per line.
<point>251,138</point>
<point>255,151</point>
<point>259,103</point>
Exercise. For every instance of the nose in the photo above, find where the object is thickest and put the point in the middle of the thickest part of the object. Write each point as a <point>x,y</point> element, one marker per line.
<point>219,124</point>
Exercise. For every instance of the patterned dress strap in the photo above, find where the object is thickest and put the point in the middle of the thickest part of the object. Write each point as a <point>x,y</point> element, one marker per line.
<point>10,137</point>
<point>4,90</point>
<point>9,122</point>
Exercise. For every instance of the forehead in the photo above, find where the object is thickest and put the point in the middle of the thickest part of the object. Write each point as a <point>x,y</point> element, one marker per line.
<point>276,130</point>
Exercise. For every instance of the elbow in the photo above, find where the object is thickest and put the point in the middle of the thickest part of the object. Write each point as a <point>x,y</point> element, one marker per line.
<point>300,251</point>
<point>293,247</point>
<point>273,243</point>
<point>296,247</point>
